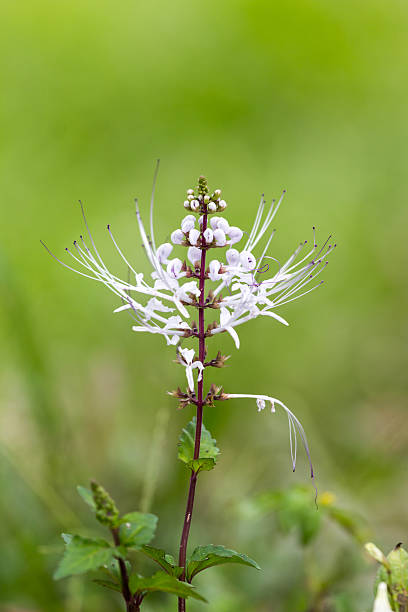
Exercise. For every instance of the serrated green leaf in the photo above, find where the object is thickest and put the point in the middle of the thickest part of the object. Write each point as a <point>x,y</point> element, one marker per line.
<point>137,528</point>
<point>204,557</point>
<point>84,554</point>
<point>201,464</point>
<point>87,496</point>
<point>167,562</point>
<point>208,448</point>
<point>162,582</point>
<point>108,584</point>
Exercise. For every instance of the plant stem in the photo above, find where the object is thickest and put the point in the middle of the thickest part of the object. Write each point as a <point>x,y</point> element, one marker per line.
<point>199,419</point>
<point>127,595</point>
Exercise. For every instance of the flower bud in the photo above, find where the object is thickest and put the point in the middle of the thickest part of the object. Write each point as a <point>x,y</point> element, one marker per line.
<point>247,260</point>
<point>235,234</point>
<point>217,193</point>
<point>193,236</point>
<point>187,224</point>
<point>208,235</point>
<point>224,225</point>
<point>222,204</point>
<point>206,199</point>
<point>195,205</point>
<point>190,192</point>
<point>200,220</point>
<point>232,256</point>
<point>190,196</point>
<point>186,204</point>
<point>177,236</point>
<point>212,207</point>
<point>220,238</point>
<point>194,254</point>
<point>163,252</point>
<point>214,221</point>
<point>174,268</point>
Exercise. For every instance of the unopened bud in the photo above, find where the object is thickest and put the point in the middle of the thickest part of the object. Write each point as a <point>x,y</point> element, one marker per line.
<point>193,236</point>
<point>217,193</point>
<point>195,205</point>
<point>222,205</point>
<point>206,199</point>
<point>186,204</point>
<point>177,236</point>
<point>212,207</point>
<point>190,191</point>
<point>208,235</point>
<point>220,238</point>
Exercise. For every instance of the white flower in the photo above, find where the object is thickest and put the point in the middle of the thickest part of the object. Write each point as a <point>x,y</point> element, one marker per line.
<point>187,357</point>
<point>214,222</point>
<point>177,237</point>
<point>382,603</point>
<point>187,223</point>
<point>295,426</point>
<point>194,255</point>
<point>217,193</point>
<point>195,205</point>
<point>190,191</point>
<point>163,252</point>
<point>235,234</point>
<point>247,260</point>
<point>208,235</point>
<point>186,204</point>
<point>212,207</point>
<point>222,204</point>
<point>174,268</point>
<point>193,236</point>
<point>219,237</point>
<point>224,225</point>
<point>232,256</point>
<point>214,268</point>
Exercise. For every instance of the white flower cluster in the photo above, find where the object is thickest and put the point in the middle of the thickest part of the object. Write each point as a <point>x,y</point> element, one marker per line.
<point>250,287</point>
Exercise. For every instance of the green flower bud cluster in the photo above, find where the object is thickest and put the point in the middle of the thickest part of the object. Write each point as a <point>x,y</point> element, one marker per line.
<point>200,200</point>
<point>106,510</point>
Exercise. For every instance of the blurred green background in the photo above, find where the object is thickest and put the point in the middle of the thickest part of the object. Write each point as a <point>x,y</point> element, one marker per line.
<point>310,96</point>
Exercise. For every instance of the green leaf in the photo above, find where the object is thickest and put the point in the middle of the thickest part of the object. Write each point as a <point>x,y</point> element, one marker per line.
<point>137,529</point>
<point>87,496</point>
<point>167,562</point>
<point>162,582</point>
<point>208,448</point>
<point>201,464</point>
<point>204,557</point>
<point>84,554</point>
<point>108,584</point>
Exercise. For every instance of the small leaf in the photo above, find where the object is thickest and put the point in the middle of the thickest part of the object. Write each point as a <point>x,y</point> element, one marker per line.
<point>137,529</point>
<point>201,464</point>
<point>84,554</point>
<point>165,561</point>
<point>108,584</point>
<point>162,582</point>
<point>87,496</point>
<point>204,557</point>
<point>208,448</point>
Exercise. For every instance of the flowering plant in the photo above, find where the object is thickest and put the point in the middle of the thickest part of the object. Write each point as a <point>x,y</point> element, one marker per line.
<point>243,287</point>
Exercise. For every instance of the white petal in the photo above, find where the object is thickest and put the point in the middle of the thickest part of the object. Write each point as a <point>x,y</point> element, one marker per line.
<point>235,234</point>
<point>247,260</point>
<point>214,270</point>
<point>124,307</point>
<point>177,236</point>
<point>220,238</point>
<point>163,252</point>
<point>214,221</point>
<point>232,256</point>
<point>233,335</point>
<point>188,355</point>
<point>381,603</point>
<point>224,225</point>
<point>174,268</point>
<point>194,254</point>
<point>193,236</point>
<point>187,224</point>
<point>269,313</point>
<point>208,235</point>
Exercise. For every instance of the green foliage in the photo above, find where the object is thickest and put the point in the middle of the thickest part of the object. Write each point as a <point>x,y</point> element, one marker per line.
<point>137,528</point>
<point>108,584</point>
<point>162,582</point>
<point>85,554</point>
<point>166,561</point>
<point>393,571</point>
<point>204,557</point>
<point>87,496</point>
<point>208,449</point>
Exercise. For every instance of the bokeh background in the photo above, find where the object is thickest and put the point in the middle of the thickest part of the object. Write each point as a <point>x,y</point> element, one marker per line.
<point>305,95</point>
